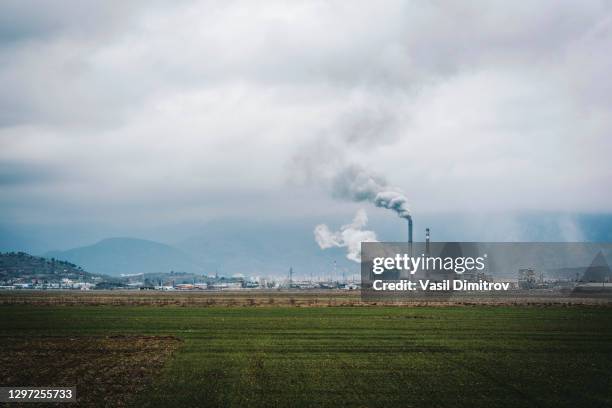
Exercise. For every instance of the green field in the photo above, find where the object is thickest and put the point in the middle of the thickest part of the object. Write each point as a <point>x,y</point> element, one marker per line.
<point>357,357</point>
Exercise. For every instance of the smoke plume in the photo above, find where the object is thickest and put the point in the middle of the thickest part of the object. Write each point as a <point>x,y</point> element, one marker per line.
<point>349,236</point>
<point>356,184</point>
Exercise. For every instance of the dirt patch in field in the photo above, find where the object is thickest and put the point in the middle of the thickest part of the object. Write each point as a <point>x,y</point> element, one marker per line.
<point>107,371</point>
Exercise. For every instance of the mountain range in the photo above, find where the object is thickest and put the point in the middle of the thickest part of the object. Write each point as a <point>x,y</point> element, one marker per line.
<point>262,248</point>
<point>115,256</point>
<point>218,250</point>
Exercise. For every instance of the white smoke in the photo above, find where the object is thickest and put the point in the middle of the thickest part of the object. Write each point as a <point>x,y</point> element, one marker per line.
<point>356,184</point>
<point>349,236</point>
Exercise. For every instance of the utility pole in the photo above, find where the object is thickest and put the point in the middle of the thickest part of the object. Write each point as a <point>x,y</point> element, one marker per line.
<point>331,279</point>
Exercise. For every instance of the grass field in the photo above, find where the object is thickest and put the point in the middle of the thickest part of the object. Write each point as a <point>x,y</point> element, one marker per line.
<point>479,356</point>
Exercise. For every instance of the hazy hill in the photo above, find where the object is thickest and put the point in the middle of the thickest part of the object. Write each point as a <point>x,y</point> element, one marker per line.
<point>223,248</point>
<point>115,256</point>
<point>23,265</point>
<point>254,248</point>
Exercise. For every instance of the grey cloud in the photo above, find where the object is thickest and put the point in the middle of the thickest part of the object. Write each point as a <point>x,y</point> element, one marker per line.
<point>142,103</point>
<point>22,174</point>
<point>31,20</point>
<point>88,61</point>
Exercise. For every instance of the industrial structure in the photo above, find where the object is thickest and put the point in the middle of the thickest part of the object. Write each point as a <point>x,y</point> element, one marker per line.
<point>409,218</point>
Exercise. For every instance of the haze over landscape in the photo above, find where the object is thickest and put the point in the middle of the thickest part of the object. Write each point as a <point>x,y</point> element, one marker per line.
<point>217,136</point>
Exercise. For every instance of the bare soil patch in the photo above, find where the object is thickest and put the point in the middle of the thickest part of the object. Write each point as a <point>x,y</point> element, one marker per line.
<point>107,371</point>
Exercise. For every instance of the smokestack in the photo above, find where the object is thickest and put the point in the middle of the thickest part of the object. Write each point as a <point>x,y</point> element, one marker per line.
<point>427,252</point>
<point>409,218</point>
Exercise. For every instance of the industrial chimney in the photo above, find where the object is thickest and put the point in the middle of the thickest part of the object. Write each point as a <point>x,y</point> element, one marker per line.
<point>409,218</point>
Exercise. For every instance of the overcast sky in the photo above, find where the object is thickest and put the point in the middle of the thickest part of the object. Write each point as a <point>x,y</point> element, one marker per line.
<point>187,111</point>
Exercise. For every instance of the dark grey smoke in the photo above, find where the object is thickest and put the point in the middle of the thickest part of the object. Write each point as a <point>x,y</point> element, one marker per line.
<point>356,184</point>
